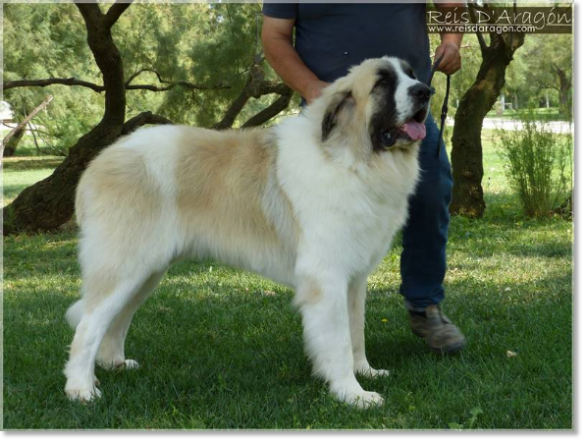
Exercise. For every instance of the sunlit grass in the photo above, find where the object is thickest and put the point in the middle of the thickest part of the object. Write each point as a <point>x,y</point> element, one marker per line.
<point>20,172</point>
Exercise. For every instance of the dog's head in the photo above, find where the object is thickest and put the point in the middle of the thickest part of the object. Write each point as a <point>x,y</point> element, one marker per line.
<point>379,108</point>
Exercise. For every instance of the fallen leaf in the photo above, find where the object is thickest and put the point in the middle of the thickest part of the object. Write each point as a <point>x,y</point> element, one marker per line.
<point>511,354</point>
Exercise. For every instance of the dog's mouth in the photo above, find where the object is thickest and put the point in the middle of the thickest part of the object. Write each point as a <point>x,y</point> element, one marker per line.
<point>411,131</point>
<point>415,127</point>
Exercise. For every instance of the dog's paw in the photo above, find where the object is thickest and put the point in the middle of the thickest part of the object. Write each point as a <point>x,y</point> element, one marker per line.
<point>361,398</point>
<point>369,399</point>
<point>83,395</point>
<point>364,399</point>
<point>127,364</point>
<point>367,371</point>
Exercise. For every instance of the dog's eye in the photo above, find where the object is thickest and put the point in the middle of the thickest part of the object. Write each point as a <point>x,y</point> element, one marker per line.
<point>410,73</point>
<point>381,82</point>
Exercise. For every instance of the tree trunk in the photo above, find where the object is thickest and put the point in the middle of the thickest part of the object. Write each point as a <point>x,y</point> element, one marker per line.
<point>10,147</point>
<point>32,132</point>
<point>500,110</point>
<point>565,105</point>
<point>50,202</point>
<point>467,153</point>
<point>566,207</point>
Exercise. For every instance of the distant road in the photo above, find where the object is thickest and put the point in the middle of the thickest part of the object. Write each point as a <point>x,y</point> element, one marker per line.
<point>558,127</point>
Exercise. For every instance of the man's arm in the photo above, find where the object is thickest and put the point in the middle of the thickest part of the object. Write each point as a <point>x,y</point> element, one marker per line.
<point>449,47</point>
<point>282,56</point>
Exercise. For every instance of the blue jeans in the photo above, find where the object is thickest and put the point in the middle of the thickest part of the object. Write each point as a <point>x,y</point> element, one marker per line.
<point>424,238</point>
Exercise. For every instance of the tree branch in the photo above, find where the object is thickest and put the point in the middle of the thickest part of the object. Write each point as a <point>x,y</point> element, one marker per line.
<point>91,13</point>
<point>482,44</point>
<point>141,119</point>
<point>256,86</point>
<point>100,88</point>
<point>234,110</point>
<point>26,120</point>
<point>252,89</point>
<point>186,84</point>
<point>50,81</point>
<point>169,84</point>
<point>137,73</point>
<point>270,112</point>
<point>114,13</point>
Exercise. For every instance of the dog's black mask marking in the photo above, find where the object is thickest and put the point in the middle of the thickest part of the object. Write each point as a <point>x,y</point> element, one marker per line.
<point>383,125</point>
<point>408,70</point>
<point>329,122</point>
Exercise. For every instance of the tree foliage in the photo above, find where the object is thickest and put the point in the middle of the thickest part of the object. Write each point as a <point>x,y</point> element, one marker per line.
<point>43,41</point>
<point>204,45</point>
<point>201,65</point>
<point>49,203</point>
<point>543,66</point>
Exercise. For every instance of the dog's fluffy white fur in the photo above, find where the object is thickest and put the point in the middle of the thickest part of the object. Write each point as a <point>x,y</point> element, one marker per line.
<point>309,203</point>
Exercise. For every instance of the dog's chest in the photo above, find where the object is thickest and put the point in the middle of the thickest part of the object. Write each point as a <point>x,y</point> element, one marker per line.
<point>370,237</point>
<point>348,229</point>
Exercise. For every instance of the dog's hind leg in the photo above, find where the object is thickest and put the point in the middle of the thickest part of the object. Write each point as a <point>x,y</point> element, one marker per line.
<point>102,302</point>
<point>111,353</point>
<point>357,308</point>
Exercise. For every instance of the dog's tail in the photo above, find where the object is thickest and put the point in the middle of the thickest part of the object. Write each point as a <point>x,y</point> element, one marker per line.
<point>74,314</point>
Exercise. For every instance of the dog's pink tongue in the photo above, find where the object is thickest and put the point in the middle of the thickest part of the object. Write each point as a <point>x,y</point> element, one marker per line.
<point>415,130</point>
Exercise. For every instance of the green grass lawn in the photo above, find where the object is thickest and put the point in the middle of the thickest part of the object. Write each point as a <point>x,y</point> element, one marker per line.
<point>21,172</point>
<point>221,348</point>
<point>543,114</point>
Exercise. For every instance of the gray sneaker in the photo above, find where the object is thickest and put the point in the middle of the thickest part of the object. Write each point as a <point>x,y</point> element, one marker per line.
<point>441,335</point>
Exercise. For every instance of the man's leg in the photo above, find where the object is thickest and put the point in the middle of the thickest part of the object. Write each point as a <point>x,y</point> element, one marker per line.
<point>423,262</point>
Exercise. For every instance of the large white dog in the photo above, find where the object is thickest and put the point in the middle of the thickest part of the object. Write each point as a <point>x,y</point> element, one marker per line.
<point>312,203</point>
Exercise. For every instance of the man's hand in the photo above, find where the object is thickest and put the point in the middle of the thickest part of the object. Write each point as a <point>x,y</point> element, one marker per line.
<point>449,48</point>
<point>450,43</point>
<point>313,90</point>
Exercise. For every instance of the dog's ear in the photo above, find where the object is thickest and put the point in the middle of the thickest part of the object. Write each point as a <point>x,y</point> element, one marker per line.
<point>340,103</point>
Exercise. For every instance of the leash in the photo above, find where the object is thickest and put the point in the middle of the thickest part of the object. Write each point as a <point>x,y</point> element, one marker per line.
<point>445,107</point>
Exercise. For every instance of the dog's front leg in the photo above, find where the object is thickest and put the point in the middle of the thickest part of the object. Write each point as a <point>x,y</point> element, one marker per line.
<point>323,302</point>
<point>357,309</point>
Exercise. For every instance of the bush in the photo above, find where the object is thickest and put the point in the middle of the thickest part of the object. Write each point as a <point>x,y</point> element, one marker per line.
<point>539,165</point>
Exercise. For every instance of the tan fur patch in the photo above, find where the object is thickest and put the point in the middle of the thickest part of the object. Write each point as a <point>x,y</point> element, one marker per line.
<point>222,178</point>
<point>308,292</point>
<point>97,286</point>
<point>118,178</point>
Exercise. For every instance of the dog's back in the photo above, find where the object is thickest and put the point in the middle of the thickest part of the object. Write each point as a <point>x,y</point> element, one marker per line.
<point>170,192</point>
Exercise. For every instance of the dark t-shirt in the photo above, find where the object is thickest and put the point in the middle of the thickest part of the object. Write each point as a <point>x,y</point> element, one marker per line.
<point>330,38</point>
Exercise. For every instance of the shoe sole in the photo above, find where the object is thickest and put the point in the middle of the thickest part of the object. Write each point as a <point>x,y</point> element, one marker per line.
<point>449,349</point>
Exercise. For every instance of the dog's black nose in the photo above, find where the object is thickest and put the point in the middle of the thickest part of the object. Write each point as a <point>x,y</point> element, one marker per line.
<point>421,91</point>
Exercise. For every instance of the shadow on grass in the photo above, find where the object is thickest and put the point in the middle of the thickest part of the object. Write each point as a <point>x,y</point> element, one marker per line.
<point>505,231</point>
<point>30,163</point>
<point>11,191</point>
<point>495,317</point>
